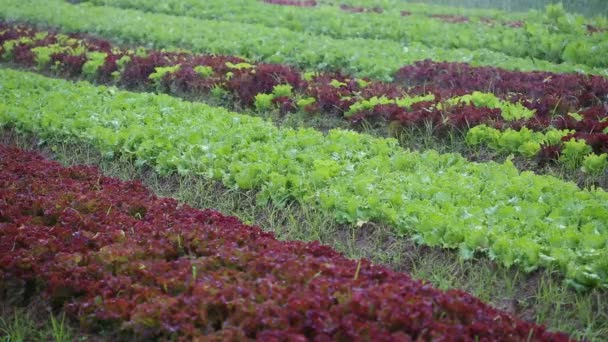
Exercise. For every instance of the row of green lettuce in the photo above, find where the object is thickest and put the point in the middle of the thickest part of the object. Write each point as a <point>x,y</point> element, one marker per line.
<point>436,199</point>
<point>364,57</point>
<point>556,36</point>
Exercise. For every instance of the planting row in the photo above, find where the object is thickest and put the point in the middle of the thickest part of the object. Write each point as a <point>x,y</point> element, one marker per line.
<point>365,57</point>
<point>435,199</point>
<point>438,98</point>
<point>553,37</point>
<point>121,260</point>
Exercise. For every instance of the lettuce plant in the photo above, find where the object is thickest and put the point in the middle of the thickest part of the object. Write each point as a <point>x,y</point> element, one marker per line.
<point>595,164</point>
<point>574,153</point>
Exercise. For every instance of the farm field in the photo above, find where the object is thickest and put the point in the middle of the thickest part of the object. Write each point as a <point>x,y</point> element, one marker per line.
<point>443,170</point>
